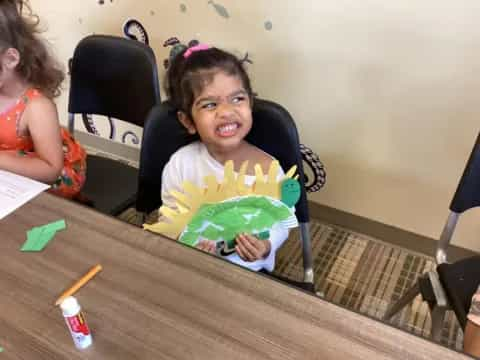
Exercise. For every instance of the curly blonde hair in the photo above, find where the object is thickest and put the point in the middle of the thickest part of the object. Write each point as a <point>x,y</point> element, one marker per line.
<point>19,30</point>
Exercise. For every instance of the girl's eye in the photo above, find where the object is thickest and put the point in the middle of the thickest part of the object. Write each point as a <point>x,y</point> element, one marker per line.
<point>238,99</point>
<point>210,105</point>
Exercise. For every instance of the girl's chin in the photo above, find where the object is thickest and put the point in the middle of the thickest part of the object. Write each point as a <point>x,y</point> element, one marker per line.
<point>225,144</point>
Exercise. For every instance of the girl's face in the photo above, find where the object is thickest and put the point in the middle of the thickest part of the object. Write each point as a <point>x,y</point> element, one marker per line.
<point>9,59</point>
<point>221,113</point>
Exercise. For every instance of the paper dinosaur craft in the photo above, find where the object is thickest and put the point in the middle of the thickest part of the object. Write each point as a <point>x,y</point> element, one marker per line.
<point>220,211</point>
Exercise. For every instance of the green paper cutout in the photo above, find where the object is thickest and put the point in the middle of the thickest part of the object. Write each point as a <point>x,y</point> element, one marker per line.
<point>227,247</point>
<point>43,239</point>
<point>222,222</point>
<point>33,234</point>
<point>290,192</point>
<point>38,237</point>
<point>1,349</point>
<point>264,235</point>
<point>32,237</point>
<point>37,240</point>
<point>55,226</point>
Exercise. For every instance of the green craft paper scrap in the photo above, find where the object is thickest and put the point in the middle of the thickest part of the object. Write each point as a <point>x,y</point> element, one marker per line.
<point>34,233</point>
<point>32,237</point>
<point>37,239</point>
<point>43,239</point>
<point>55,226</point>
<point>39,236</point>
<point>1,349</point>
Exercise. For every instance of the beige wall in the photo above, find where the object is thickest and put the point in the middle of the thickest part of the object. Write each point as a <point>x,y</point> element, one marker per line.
<point>385,92</point>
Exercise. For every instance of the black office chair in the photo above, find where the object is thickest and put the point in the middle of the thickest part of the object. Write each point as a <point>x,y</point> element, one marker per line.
<point>163,135</point>
<point>451,286</point>
<point>117,78</point>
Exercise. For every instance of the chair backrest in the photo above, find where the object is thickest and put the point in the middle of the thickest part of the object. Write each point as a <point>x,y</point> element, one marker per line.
<point>273,131</point>
<point>115,77</point>
<point>467,195</point>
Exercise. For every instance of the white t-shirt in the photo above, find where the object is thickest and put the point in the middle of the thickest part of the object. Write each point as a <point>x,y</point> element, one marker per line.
<point>193,162</point>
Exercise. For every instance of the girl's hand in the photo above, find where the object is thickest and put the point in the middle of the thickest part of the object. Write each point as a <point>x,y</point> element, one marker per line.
<point>207,246</point>
<point>250,248</point>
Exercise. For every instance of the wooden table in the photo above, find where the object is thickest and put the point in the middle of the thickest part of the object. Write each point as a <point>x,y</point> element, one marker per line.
<point>156,299</point>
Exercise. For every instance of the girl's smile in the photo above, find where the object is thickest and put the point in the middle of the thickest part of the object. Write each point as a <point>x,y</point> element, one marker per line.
<point>228,129</point>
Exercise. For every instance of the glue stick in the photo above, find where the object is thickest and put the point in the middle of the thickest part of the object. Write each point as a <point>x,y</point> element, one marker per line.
<point>76,323</point>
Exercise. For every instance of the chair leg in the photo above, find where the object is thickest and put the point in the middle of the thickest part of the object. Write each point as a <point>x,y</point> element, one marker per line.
<point>403,301</point>
<point>438,315</point>
<point>445,237</point>
<point>307,253</point>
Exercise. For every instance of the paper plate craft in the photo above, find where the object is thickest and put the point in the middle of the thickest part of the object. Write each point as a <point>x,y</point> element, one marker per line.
<point>220,211</point>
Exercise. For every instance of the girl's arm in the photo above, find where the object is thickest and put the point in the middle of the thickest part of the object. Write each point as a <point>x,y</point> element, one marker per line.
<point>41,119</point>
<point>471,339</point>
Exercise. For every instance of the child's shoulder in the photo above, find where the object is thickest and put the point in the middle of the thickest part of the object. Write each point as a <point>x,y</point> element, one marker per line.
<point>182,163</point>
<point>188,151</point>
<point>184,156</point>
<point>38,109</point>
<point>40,104</point>
<point>258,156</point>
<point>34,99</point>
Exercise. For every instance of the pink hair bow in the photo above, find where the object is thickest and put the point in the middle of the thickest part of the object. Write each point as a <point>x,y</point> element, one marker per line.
<point>199,47</point>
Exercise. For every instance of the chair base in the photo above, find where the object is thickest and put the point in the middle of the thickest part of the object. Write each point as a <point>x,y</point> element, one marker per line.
<point>429,287</point>
<point>451,286</point>
<point>460,281</point>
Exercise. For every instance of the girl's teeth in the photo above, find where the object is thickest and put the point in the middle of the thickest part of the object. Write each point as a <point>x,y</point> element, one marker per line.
<point>227,128</point>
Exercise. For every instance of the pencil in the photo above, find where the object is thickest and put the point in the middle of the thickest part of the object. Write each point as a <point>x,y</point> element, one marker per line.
<point>82,281</point>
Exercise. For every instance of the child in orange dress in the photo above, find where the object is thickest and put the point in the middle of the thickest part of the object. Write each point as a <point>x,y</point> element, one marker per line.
<point>32,143</point>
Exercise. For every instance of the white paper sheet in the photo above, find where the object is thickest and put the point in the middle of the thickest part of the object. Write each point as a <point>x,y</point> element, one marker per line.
<point>16,190</point>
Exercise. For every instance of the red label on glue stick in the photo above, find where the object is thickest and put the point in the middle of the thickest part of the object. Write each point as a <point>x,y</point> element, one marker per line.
<point>77,324</point>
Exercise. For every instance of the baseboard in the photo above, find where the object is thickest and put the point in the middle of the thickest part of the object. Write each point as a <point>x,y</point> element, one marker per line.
<point>388,233</point>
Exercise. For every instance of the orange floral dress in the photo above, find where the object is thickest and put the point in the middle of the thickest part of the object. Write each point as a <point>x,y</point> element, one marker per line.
<point>72,178</point>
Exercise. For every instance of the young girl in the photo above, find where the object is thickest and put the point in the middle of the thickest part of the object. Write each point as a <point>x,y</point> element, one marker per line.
<point>212,93</point>
<point>31,141</point>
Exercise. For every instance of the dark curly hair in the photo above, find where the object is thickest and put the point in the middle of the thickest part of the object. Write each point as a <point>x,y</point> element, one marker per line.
<point>186,77</point>
<point>19,30</point>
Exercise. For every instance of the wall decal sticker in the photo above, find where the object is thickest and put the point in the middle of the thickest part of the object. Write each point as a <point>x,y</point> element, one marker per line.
<point>134,30</point>
<point>220,9</point>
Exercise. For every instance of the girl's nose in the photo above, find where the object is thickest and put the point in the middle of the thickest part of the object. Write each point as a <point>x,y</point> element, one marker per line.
<point>224,109</point>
